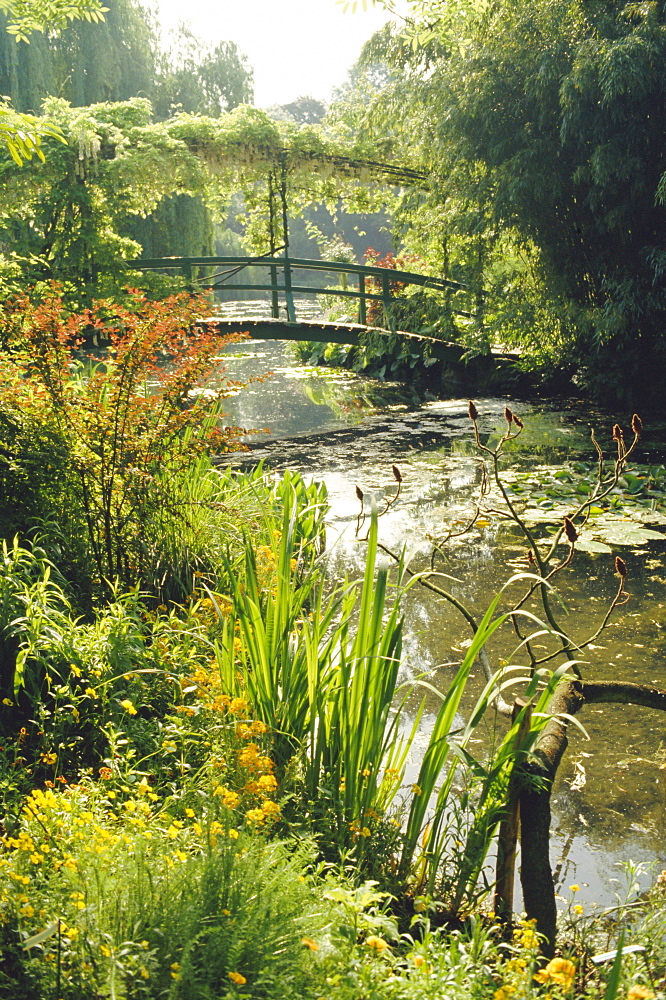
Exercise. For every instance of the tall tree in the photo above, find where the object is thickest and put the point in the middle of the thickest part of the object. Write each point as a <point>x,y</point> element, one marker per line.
<point>87,63</point>
<point>562,106</point>
<point>201,79</point>
<point>21,134</point>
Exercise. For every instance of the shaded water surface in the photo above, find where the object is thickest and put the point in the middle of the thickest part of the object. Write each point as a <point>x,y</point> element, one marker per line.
<point>610,801</point>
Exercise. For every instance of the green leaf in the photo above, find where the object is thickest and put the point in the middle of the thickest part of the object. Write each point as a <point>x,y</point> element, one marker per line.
<point>614,979</point>
<point>41,936</point>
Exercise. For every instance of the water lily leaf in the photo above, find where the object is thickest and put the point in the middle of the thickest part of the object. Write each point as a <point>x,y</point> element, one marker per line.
<point>629,534</point>
<point>592,545</point>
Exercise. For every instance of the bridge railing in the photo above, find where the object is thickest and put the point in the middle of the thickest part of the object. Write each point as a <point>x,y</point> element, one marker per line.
<point>284,268</point>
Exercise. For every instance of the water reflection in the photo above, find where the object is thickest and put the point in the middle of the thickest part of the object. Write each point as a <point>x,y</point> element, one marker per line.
<point>610,800</point>
<point>294,399</point>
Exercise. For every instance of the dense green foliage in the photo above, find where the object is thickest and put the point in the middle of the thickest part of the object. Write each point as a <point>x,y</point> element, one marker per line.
<point>205,741</point>
<point>121,57</point>
<point>68,217</point>
<point>121,497</point>
<point>116,60</point>
<point>542,124</point>
<point>199,78</point>
<point>27,16</point>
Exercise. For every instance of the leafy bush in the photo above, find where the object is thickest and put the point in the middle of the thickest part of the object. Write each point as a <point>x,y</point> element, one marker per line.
<point>142,900</point>
<point>101,454</point>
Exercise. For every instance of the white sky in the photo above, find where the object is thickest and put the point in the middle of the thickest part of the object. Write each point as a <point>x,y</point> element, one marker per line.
<point>296,47</point>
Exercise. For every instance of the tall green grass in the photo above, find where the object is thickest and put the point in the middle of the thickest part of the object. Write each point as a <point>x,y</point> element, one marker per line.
<point>323,671</point>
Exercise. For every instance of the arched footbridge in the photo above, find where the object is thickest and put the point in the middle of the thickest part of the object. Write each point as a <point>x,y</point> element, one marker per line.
<point>281,277</point>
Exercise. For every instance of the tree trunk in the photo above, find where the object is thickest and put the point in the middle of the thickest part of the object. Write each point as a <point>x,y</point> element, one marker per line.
<point>535,873</point>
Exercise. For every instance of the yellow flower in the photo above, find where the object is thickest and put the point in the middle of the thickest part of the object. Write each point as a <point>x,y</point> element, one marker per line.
<point>376,943</point>
<point>417,789</point>
<point>525,935</point>
<point>574,888</point>
<point>238,706</point>
<point>128,706</point>
<point>578,908</point>
<point>310,943</point>
<point>229,799</point>
<point>236,977</point>
<point>640,993</point>
<point>558,970</point>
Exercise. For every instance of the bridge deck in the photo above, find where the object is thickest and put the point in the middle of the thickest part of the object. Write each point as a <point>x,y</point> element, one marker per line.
<point>320,331</point>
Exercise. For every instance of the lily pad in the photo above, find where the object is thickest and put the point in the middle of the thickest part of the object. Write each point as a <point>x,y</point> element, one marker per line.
<point>592,545</point>
<point>629,534</point>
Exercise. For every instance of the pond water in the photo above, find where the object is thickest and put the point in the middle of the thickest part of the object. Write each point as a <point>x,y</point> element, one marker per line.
<point>609,804</point>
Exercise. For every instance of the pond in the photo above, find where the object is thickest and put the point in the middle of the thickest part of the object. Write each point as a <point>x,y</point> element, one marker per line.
<point>609,804</point>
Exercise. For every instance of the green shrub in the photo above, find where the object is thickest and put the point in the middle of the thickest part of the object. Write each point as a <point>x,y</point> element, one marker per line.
<point>99,458</point>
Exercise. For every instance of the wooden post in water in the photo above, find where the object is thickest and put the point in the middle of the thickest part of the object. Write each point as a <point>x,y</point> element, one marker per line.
<point>362,315</point>
<point>508,831</point>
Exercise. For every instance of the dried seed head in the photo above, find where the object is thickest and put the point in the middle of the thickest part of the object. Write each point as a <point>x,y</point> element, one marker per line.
<point>472,410</point>
<point>396,473</point>
<point>621,567</point>
<point>518,422</point>
<point>359,493</point>
<point>618,433</point>
<point>636,424</point>
<point>508,415</point>
<point>570,530</point>
<point>530,557</point>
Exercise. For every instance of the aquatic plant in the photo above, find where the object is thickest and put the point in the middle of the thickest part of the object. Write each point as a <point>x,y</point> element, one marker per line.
<point>556,695</point>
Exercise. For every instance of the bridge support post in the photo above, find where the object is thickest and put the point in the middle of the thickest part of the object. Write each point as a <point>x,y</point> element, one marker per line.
<point>288,294</point>
<point>275,301</point>
<point>362,314</point>
<point>386,302</point>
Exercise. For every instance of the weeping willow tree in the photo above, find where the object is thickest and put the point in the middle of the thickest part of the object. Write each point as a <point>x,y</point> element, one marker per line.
<point>117,163</point>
